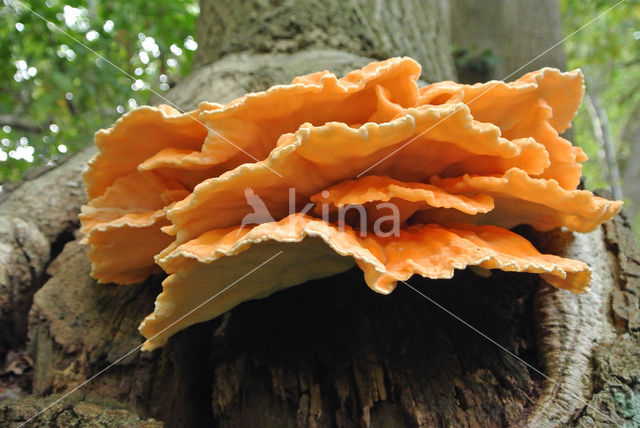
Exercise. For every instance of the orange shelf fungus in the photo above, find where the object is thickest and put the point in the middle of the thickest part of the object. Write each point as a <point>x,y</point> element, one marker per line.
<point>326,173</point>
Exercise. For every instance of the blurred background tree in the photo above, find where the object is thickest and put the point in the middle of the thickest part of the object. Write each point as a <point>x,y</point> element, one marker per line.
<point>52,104</point>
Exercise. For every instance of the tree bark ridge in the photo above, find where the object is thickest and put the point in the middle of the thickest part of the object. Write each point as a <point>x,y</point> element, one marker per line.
<point>36,219</point>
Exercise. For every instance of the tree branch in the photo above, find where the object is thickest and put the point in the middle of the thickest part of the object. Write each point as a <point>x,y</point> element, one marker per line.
<point>602,132</point>
<point>20,123</point>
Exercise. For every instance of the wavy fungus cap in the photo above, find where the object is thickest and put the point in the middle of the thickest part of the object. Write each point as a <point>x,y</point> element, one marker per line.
<point>326,173</point>
<point>158,155</point>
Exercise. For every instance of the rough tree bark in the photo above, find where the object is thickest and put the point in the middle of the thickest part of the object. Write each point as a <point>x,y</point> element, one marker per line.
<point>329,352</point>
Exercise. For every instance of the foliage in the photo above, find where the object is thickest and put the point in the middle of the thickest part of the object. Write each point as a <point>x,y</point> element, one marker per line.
<point>64,90</point>
<point>474,64</point>
<point>608,51</point>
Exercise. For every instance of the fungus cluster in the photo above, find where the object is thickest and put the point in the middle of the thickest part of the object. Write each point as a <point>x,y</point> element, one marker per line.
<point>456,166</point>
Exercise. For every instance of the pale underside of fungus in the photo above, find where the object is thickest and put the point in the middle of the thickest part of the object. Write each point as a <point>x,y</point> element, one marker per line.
<point>456,166</point>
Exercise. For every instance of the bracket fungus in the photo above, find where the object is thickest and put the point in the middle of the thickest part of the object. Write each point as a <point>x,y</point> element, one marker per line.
<point>209,194</point>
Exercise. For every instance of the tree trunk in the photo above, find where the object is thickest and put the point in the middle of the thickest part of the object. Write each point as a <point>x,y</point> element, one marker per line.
<point>330,352</point>
<point>504,39</point>
<point>380,29</point>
